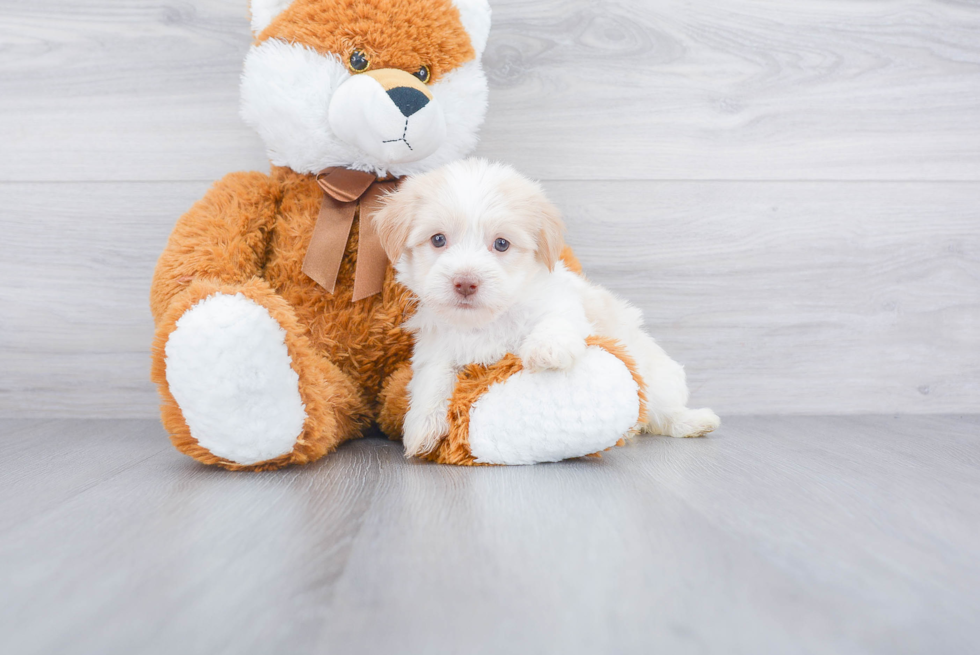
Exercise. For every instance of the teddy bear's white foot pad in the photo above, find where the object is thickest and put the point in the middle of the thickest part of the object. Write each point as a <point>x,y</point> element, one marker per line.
<point>554,415</point>
<point>229,370</point>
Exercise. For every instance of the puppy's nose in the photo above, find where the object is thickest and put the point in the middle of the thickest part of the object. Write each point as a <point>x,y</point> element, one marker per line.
<point>407,99</point>
<point>465,285</point>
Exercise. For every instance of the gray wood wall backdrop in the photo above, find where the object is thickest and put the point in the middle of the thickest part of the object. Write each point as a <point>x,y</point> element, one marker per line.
<point>790,191</point>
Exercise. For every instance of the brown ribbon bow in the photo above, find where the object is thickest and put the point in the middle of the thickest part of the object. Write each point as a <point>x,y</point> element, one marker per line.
<point>343,190</point>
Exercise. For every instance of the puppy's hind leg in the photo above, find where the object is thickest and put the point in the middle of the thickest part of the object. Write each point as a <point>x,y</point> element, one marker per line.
<point>667,393</point>
<point>666,384</point>
<point>682,422</point>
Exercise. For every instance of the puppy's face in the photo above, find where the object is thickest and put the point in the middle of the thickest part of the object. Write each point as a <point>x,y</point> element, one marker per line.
<point>469,239</point>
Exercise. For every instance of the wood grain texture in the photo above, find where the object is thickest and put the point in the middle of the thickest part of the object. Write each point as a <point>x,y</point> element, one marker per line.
<point>779,297</point>
<point>777,534</point>
<point>797,297</point>
<point>746,89</point>
<point>849,295</point>
<point>743,89</point>
<point>75,266</point>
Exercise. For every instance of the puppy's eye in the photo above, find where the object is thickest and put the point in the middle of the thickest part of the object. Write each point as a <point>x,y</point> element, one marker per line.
<point>438,240</point>
<point>500,245</point>
<point>358,61</point>
<point>423,74</point>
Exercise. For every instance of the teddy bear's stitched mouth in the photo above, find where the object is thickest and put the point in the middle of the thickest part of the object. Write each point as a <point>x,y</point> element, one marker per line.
<point>402,138</point>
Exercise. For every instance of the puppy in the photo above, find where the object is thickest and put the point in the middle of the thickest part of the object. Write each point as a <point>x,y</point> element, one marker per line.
<point>480,245</point>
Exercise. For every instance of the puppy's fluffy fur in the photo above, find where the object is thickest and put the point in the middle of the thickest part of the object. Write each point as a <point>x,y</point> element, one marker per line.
<point>479,245</point>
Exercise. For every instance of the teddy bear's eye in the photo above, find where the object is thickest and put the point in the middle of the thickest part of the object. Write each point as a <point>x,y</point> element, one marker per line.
<point>423,74</point>
<point>501,245</point>
<point>358,61</point>
<point>438,240</point>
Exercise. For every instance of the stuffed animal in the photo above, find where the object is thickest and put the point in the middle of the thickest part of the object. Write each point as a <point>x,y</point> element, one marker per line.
<point>277,316</point>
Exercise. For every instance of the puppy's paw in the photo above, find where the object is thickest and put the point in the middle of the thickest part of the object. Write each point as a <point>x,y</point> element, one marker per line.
<point>693,423</point>
<point>423,432</point>
<point>557,350</point>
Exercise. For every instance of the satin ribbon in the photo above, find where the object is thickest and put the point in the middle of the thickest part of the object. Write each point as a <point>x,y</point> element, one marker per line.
<point>343,190</point>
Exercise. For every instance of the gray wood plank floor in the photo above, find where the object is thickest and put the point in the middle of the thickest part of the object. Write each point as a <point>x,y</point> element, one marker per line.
<point>778,534</point>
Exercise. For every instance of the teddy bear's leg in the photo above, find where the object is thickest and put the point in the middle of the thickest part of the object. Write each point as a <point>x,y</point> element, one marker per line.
<point>502,414</point>
<point>243,387</point>
<point>393,401</point>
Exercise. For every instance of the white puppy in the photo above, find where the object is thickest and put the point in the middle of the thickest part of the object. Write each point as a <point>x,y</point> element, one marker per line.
<point>479,245</point>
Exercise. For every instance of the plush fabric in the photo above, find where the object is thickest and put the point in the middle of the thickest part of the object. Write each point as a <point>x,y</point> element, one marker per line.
<point>477,383</point>
<point>400,34</point>
<point>259,366</point>
<point>292,94</point>
<point>249,236</point>
<point>229,368</point>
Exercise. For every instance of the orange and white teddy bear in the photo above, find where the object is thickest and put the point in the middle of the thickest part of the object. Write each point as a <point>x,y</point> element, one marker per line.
<point>277,314</point>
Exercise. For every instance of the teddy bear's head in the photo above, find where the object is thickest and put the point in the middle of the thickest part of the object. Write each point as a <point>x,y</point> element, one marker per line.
<point>392,87</point>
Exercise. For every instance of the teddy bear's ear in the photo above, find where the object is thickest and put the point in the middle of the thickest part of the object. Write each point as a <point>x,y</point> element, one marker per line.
<point>476,19</point>
<point>265,11</point>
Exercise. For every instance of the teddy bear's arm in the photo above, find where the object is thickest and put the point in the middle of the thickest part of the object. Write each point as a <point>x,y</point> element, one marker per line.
<point>222,238</point>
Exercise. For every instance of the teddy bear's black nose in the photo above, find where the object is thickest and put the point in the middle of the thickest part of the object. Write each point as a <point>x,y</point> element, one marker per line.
<point>407,99</point>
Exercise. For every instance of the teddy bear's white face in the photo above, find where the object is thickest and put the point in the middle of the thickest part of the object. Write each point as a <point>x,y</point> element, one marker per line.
<point>383,86</point>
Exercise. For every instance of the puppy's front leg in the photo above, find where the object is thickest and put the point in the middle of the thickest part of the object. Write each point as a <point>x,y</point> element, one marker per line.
<point>554,343</point>
<point>429,392</point>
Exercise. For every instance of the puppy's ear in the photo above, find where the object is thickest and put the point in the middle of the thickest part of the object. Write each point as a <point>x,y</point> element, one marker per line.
<point>551,239</point>
<point>393,222</point>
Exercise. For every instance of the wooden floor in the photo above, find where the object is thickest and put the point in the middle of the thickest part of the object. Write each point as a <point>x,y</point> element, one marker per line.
<point>779,534</point>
